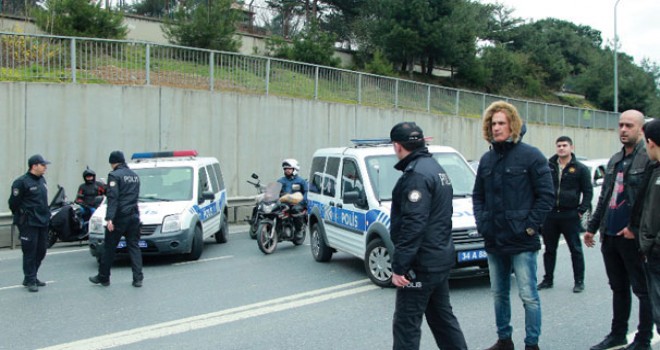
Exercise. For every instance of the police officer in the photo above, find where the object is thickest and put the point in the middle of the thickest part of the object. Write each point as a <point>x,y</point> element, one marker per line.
<point>122,218</point>
<point>28,203</point>
<point>423,248</point>
<point>292,183</point>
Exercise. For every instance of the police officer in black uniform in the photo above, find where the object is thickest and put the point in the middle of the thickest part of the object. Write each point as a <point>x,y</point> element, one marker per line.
<point>122,218</point>
<point>423,248</point>
<point>28,203</point>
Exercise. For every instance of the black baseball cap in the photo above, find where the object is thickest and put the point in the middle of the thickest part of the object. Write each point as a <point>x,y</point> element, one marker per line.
<point>37,159</point>
<point>652,131</point>
<point>406,132</point>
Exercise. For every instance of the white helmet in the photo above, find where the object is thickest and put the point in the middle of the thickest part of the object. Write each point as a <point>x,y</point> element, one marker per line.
<point>291,163</point>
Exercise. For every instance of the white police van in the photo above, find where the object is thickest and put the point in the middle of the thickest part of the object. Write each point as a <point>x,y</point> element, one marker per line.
<point>182,201</point>
<point>349,201</point>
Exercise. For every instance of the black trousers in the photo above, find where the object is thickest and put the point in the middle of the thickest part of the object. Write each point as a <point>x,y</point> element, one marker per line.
<point>567,224</point>
<point>427,295</point>
<point>624,267</point>
<point>34,243</point>
<point>130,229</point>
<point>653,279</point>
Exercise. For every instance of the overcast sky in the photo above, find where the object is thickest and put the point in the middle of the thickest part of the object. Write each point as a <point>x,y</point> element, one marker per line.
<point>638,21</point>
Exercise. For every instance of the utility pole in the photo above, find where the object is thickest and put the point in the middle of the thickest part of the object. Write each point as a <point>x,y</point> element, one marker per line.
<point>616,72</point>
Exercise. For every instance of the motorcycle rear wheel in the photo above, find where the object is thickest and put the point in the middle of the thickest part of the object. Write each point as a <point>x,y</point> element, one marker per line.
<point>52,238</point>
<point>267,237</point>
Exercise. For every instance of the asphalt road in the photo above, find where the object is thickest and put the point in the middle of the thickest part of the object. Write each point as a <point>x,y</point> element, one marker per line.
<point>234,297</point>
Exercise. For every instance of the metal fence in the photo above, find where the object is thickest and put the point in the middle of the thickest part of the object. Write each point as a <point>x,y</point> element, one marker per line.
<point>45,58</point>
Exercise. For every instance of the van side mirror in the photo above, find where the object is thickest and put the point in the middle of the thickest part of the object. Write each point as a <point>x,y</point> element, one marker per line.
<point>356,198</point>
<point>206,195</point>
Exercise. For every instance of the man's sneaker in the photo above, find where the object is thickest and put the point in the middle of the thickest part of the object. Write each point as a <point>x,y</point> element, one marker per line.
<point>97,280</point>
<point>637,345</point>
<point>502,344</point>
<point>531,347</point>
<point>137,283</point>
<point>544,285</point>
<point>611,342</point>
<point>32,287</point>
<point>579,287</point>
<point>39,283</point>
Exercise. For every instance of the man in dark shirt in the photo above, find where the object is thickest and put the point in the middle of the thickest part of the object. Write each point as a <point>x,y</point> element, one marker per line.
<point>623,261</point>
<point>28,203</point>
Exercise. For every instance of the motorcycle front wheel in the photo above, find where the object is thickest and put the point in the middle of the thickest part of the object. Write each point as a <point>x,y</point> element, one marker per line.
<point>267,237</point>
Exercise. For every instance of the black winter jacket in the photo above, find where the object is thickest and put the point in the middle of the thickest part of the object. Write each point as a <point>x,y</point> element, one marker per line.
<point>122,193</point>
<point>633,177</point>
<point>28,201</point>
<point>513,192</point>
<point>421,216</point>
<point>575,190</point>
<point>645,221</point>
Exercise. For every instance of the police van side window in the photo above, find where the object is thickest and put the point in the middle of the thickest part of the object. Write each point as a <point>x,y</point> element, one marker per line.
<point>214,179</point>
<point>203,182</point>
<point>351,181</point>
<point>316,175</point>
<point>218,174</point>
<point>330,178</point>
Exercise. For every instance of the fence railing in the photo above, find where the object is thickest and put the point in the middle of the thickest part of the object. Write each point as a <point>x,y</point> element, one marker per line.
<point>46,58</point>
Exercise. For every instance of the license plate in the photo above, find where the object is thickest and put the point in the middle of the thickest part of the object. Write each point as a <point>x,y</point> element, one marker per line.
<point>471,255</point>
<point>122,244</point>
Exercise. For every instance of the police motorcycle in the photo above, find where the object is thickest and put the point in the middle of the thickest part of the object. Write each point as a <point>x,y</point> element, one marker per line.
<point>66,219</point>
<point>253,219</point>
<point>276,217</point>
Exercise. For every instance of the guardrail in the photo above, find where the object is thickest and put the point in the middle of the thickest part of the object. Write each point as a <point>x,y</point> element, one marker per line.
<point>48,58</point>
<point>232,203</point>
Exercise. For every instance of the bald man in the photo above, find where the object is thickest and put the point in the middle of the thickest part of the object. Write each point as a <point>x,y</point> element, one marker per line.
<point>623,261</point>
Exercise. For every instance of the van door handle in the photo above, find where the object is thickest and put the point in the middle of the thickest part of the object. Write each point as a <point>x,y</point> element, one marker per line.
<point>332,204</point>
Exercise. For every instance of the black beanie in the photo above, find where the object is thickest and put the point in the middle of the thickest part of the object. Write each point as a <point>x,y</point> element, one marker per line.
<point>652,131</point>
<point>116,157</point>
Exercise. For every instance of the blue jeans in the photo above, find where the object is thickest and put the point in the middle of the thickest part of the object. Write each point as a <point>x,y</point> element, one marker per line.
<point>523,265</point>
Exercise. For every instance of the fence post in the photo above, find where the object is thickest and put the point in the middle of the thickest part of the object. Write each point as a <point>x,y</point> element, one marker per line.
<point>563,116</point>
<point>545,112</point>
<point>267,74</point>
<point>458,99</point>
<point>527,111</point>
<point>359,90</point>
<point>147,67</point>
<point>396,93</point>
<point>73,60</point>
<point>211,70</point>
<point>316,82</point>
<point>428,99</point>
<point>483,103</point>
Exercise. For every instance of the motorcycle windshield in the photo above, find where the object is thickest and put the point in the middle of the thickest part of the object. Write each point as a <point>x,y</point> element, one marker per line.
<point>272,192</point>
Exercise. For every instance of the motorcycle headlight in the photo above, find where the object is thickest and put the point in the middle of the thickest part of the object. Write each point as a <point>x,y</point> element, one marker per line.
<point>268,208</point>
<point>96,224</point>
<point>171,223</point>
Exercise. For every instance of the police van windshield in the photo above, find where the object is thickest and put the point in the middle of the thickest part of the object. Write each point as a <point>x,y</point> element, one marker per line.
<point>165,184</point>
<point>383,176</point>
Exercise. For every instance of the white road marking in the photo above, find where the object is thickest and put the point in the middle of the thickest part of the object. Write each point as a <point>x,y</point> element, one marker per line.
<point>203,260</point>
<point>21,286</point>
<point>67,251</point>
<point>217,318</point>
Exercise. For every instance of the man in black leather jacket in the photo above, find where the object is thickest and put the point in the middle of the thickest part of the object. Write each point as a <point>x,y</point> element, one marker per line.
<point>123,219</point>
<point>28,203</point>
<point>573,192</point>
<point>623,261</point>
<point>423,247</point>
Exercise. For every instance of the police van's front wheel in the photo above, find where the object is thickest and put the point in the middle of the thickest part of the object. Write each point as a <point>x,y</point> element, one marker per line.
<point>320,251</point>
<point>197,245</point>
<point>378,263</point>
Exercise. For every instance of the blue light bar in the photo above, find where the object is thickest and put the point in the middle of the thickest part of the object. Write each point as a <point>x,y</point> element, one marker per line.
<point>374,141</point>
<point>168,154</point>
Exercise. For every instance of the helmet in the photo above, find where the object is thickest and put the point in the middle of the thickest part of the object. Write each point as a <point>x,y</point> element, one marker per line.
<point>291,163</point>
<point>88,172</point>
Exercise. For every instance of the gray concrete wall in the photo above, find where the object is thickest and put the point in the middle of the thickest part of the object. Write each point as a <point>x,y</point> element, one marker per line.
<point>79,125</point>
